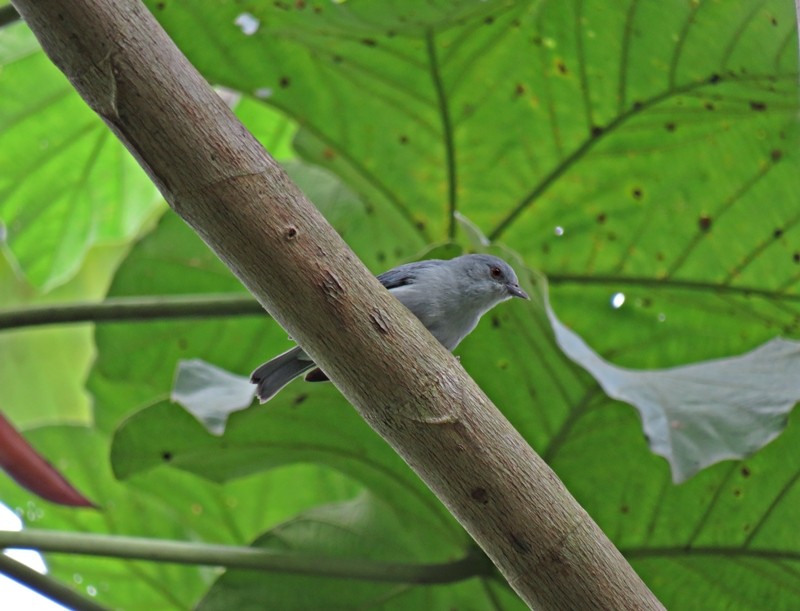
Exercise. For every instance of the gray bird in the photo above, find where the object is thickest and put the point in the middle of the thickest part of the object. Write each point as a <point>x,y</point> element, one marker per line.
<point>449,298</point>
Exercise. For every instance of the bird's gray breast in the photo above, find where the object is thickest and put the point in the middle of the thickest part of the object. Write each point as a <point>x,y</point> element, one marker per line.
<point>442,313</point>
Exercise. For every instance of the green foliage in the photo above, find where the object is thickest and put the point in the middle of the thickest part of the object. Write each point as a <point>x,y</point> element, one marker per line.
<point>363,529</point>
<point>649,149</point>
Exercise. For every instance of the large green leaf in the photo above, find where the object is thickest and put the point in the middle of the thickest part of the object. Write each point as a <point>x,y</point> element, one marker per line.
<point>723,538</point>
<point>167,504</point>
<point>66,183</point>
<point>365,530</point>
<point>43,370</point>
<point>648,149</point>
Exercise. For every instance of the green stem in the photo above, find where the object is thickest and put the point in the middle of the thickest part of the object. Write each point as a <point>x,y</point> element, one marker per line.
<point>474,564</point>
<point>46,586</point>
<point>133,309</point>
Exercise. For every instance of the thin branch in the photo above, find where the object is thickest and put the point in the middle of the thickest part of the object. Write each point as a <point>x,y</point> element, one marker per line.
<point>133,309</point>
<point>46,586</point>
<point>474,564</point>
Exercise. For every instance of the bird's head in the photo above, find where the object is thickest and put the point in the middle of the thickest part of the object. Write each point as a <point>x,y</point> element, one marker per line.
<point>492,277</point>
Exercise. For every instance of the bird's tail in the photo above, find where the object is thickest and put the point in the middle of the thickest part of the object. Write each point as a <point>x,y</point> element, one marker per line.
<point>273,375</point>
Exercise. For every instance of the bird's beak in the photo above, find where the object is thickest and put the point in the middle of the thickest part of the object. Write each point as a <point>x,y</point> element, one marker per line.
<point>515,291</point>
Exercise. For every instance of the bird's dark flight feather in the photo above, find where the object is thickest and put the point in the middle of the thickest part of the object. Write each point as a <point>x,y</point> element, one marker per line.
<point>405,274</point>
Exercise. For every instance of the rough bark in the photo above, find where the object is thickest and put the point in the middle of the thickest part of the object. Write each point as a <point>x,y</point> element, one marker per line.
<point>409,389</point>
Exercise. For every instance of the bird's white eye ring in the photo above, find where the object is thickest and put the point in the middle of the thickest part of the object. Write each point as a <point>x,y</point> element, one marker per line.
<point>496,272</point>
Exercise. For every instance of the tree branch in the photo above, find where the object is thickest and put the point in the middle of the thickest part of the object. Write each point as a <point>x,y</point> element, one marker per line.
<point>46,586</point>
<point>401,380</point>
<point>133,309</point>
<point>231,556</point>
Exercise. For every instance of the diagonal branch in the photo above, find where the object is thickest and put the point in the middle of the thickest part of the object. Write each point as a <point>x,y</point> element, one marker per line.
<point>413,392</point>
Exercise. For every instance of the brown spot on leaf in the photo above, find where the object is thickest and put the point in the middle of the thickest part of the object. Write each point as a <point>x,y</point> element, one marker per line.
<point>636,192</point>
<point>597,131</point>
<point>601,218</point>
<point>796,257</point>
<point>704,223</point>
<point>562,67</point>
<point>284,82</point>
<point>624,509</point>
<point>776,154</point>
<point>369,42</point>
<point>166,456</point>
<point>745,471</point>
<point>714,79</point>
<point>670,126</point>
<point>758,106</point>
<point>777,233</point>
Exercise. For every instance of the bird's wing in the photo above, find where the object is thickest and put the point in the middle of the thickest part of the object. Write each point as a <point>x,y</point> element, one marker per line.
<point>405,274</point>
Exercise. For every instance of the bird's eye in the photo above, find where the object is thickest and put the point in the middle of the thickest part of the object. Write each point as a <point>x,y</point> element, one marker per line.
<point>496,272</point>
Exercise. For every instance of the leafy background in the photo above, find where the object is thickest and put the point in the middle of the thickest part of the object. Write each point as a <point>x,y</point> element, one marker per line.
<point>643,148</point>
